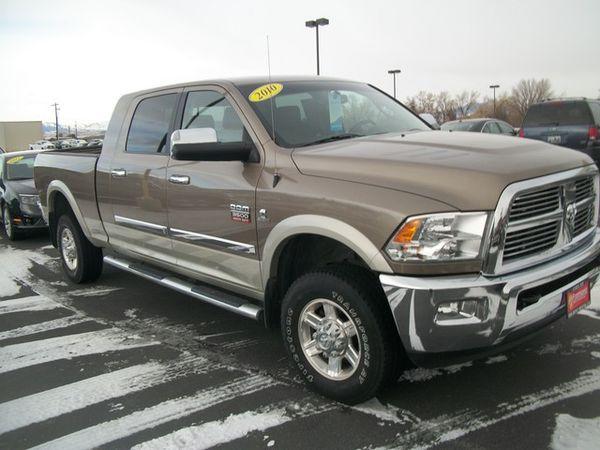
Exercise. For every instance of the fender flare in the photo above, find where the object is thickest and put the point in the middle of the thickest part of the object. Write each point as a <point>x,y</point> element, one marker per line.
<point>57,186</point>
<point>322,226</point>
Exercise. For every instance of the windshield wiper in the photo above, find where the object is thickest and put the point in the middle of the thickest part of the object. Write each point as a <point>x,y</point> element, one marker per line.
<point>337,137</point>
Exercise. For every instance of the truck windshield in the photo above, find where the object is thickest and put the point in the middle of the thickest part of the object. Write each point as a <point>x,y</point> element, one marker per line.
<point>19,167</point>
<point>557,114</point>
<point>313,112</point>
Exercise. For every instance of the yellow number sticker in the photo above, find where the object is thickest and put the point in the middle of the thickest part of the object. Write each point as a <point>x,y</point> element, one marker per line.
<point>14,160</point>
<point>265,92</point>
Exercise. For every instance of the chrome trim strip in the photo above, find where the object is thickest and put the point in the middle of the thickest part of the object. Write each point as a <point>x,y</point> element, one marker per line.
<point>249,310</point>
<point>140,225</point>
<point>493,264</point>
<point>235,246</point>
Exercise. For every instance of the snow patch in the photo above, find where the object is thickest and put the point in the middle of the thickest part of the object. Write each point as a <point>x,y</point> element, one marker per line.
<point>548,348</point>
<point>219,432</point>
<point>572,433</point>
<point>8,287</point>
<point>48,325</point>
<point>131,313</point>
<point>387,413</point>
<point>496,359</point>
<point>97,291</point>
<point>419,374</point>
<point>34,303</point>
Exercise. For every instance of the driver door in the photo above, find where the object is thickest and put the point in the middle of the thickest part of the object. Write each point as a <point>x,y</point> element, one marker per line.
<point>211,204</point>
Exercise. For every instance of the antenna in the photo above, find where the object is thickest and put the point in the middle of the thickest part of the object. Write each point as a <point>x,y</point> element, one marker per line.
<point>276,176</point>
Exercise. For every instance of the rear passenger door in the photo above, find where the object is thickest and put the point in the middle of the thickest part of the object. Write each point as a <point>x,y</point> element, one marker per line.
<point>137,183</point>
<point>212,203</point>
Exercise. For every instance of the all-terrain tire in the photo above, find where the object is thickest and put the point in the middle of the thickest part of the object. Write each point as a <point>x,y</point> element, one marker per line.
<point>81,260</point>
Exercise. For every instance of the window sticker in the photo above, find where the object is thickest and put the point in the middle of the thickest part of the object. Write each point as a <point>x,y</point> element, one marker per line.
<point>265,92</point>
<point>336,113</point>
<point>15,160</point>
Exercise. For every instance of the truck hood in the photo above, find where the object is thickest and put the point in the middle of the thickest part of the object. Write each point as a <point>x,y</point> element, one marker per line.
<point>467,171</point>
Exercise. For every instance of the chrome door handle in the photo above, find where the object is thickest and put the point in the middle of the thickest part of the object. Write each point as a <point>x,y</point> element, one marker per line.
<point>118,173</point>
<point>179,179</point>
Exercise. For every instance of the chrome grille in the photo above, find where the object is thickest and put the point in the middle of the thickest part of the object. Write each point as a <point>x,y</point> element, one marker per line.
<point>543,220</point>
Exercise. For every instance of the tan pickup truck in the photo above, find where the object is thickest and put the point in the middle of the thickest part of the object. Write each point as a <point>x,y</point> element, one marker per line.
<point>328,208</point>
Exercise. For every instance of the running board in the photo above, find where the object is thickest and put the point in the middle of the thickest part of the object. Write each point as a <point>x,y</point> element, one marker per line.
<point>206,293</point>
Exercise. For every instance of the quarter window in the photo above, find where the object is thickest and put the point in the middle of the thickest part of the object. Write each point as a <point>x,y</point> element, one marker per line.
<point>150,124</point>
<point>491,127</point>
<point>210,109</point>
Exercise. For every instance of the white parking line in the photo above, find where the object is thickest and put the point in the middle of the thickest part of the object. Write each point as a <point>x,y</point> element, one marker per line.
<point>48,325</point>
<point>234,427</point>
<point>36,408</point>
<point>17,356</point>
<point>153,416</point>
<point>34,303</point>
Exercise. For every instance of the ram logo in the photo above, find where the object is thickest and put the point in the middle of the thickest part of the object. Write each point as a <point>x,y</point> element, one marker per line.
<point>240,213</point>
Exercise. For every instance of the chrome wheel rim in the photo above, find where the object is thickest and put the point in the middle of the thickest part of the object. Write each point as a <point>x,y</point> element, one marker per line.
<point>7,222</point>
<point>68,249</point>
<point>329,339</point>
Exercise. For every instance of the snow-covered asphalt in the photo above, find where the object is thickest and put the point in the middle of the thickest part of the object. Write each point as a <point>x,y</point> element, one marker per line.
<point>124,363</point>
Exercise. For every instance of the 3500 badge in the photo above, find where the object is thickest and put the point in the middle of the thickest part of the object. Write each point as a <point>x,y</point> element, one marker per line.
<point>240,213</point>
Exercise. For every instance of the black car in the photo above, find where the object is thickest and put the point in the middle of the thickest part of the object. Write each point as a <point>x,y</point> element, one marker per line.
<point>18,198</point>
<point>573,123</point>
<point>482,125</point>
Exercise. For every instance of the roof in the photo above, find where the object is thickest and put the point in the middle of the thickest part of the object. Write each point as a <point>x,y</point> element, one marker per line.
<point>21,153</point>
<point>473,119</point>
<point>568,99</point>
<point>240,81</point>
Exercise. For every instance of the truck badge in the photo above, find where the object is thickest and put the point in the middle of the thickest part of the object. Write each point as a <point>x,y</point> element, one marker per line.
<point>240,213</point>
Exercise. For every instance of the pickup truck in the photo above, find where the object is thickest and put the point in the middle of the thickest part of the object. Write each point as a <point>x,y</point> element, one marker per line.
<point>326,207</point>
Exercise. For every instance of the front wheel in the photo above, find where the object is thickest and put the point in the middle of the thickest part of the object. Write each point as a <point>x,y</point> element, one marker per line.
<point>81,260</point>
<point>338,335</point>
<point>9,228</point>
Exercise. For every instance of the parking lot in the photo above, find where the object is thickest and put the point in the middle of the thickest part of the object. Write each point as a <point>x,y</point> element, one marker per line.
<point>125,363</point>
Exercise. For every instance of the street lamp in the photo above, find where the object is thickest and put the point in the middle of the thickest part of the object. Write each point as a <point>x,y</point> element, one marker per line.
<point>494,87</point>
<point>316,24</point>
<point>394,72</point>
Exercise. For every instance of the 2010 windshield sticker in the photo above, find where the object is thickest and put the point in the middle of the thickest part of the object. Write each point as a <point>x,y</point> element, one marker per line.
<point>14,160</point>
<point>265,92</point>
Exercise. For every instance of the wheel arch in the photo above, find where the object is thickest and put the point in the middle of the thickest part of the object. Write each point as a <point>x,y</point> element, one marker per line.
<point>59,198</point>
<point>347,243</point>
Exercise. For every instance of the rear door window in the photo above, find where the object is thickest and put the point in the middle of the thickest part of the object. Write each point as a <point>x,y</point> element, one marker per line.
<point>505,128</point>
<point>595,107</point>
<point>554,114</point>
<point>150,124</point>
<point>491,127</point>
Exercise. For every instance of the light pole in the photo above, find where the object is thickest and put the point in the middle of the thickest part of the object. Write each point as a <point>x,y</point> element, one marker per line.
<point>316,24</point>
<point>494,87</point>
<point>56,117</point>
<point>394,72</point>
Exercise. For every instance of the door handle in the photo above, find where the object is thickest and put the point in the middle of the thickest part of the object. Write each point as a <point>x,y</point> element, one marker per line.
<point>179,179</point>
<point>118,173</point>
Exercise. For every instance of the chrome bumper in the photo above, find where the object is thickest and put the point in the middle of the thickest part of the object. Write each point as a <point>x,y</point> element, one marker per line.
<point>415,303</point>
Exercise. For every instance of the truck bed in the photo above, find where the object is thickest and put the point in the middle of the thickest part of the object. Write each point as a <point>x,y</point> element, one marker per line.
<point>72,174</point>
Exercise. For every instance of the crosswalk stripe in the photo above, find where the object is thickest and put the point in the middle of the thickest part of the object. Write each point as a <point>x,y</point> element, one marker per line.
<point>161,413</point>
<point>34,303</point>
<point>71,397</point>
<point>40,327</point>
<point>233,427</point>
<point>18,356</point>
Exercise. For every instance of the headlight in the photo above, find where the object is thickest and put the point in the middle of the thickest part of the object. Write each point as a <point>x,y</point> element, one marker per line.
<point>438,237</point>
<point>29,200</point>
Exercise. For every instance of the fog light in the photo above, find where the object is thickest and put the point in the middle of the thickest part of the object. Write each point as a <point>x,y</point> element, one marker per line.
<point>462,312</point>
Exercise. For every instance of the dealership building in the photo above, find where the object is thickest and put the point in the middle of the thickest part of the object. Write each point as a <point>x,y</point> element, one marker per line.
<point>18,135</point>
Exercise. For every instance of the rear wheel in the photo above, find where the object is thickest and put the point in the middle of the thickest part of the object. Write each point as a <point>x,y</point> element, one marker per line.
<point>338,334</point>
<point>10,230</point>
<point>81,260</point>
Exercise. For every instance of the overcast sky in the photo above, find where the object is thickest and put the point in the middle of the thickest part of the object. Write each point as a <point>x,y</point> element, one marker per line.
<point>85,54</point>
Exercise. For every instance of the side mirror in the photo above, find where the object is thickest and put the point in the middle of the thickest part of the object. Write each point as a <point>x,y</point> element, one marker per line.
<point>200,144</point>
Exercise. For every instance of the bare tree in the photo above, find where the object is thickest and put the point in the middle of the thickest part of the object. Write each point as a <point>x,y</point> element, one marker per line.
<point>466,102</point>
<point>528,92</point>
<point>445,107</point>
<point>422,102</point>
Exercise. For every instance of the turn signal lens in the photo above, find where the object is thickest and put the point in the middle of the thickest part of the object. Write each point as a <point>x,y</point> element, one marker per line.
<point>408,231</point>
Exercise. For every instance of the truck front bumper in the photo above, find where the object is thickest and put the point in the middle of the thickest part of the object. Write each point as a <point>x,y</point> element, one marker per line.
<point>476,313</point>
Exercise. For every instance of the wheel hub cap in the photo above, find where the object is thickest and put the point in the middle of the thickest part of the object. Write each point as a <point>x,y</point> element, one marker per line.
<point>331,339</point>
<point>69,249</point>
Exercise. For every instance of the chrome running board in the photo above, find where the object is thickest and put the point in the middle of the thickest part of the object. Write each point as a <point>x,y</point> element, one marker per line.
<point>208,294</point>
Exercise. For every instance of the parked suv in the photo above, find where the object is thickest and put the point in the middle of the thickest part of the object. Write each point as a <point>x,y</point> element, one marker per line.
<point>572,123</point>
